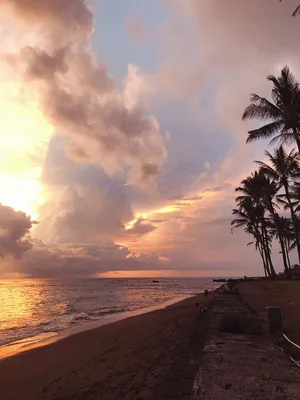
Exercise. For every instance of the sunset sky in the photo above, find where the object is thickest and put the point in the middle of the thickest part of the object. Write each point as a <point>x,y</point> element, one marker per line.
<point>121,132</point>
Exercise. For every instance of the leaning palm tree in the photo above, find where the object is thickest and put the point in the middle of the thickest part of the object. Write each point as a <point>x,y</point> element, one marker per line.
<point>262,189</point>
<point>284,169</point>
<point>251,210</point>
<point>280,228</point>
<point>282,116</point>
<point>249,218</point>
<point>288,234</point>
<point>269,189</point>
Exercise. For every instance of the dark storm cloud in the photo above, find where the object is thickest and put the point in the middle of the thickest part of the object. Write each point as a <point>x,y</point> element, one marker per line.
<point>14,227</point>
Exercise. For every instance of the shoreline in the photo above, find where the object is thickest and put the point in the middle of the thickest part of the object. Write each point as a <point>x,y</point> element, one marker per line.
<point>140,357</point>
<point>26,344</point>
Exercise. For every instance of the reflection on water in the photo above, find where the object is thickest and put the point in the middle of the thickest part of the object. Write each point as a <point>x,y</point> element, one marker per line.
<point>33,307</point>
<point>24,301</point>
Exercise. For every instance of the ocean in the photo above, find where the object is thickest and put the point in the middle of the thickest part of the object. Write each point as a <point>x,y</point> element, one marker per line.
<point>42,308</point>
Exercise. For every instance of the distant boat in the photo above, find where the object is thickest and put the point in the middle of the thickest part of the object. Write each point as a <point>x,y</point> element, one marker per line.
<point>219,280</point>
<point>155,281</point>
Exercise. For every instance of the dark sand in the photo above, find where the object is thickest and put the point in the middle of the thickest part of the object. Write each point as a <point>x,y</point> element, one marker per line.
<point>151,356</point>
<point>286,294</point>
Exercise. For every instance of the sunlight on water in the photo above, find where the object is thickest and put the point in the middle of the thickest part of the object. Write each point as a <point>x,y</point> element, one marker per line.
<point>17,303</point>
<point>29,308</point>
<point>27,303</point>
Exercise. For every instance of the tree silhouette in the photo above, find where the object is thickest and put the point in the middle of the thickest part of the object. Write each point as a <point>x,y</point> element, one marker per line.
<point>283,115</point>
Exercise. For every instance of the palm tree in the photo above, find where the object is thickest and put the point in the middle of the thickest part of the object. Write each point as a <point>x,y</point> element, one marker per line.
<point>282,116</point>
<point>269,189</point>
<point>252,208</point>
<point>281,229</point>
<point>262,189</point>
<point>249,217</point>
<point>283,168</point>
<point>286,227</point>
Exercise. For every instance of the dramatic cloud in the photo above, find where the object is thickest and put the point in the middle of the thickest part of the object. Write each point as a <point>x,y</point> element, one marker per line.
<point>214,56</point>
<point>77,95</point>
<point>85,205</point>
<point>206,59</point>
<point>14,226</point>
<point>80,260</point>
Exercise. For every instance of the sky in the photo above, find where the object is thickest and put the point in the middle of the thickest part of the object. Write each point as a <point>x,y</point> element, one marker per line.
<point>121,133</point>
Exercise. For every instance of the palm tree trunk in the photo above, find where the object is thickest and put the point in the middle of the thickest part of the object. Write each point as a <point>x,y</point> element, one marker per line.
<point>287,255</point>
<point>263,259</point>
<point>294,220</point>
<point>281,240</point>
<point>283,252</point>
<point>262,250</point>
<point>268,251</point>
<point>271,266</point>
<point>266,262</point>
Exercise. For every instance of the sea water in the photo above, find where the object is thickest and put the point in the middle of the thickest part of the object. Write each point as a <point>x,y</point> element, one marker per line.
<point>42,308</point>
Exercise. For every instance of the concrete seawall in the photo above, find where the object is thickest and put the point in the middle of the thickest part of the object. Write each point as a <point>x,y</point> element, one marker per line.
<point>239,365</point>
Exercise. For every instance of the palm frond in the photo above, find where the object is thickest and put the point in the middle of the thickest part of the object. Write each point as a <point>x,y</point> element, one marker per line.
<point>284,137</point>
<point>261,108</point>
<point>297,11</point>
<point>264,132</point>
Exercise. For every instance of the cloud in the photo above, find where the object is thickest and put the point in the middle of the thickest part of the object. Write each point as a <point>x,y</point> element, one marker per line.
<point>78,96</point>
<point>73,15</point>
<point>84,205</point>
<point>135,29</point>
<point>223,53</point>
<point>183,198</point>
<point>14,227</point>
<point>211,58</point>
<point>78,260</point>
<point>141,227</point>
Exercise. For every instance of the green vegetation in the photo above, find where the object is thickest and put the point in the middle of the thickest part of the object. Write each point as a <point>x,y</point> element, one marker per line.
<point>268,204</point>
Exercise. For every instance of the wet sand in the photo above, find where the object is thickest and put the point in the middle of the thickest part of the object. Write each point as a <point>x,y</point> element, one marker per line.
<point>151,356</point>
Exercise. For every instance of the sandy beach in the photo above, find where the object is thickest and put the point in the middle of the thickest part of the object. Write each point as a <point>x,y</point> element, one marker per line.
<point>142,357</point>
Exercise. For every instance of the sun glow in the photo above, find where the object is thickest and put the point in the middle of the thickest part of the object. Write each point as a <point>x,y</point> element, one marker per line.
<point>23,143</point>
<point>188,204</point>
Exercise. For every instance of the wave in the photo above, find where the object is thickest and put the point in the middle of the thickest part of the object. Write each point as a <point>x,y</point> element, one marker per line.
<point>55,324</point>
<point>66,304</point>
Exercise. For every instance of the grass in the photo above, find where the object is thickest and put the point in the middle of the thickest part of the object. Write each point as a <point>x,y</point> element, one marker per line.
<point>282,288</point>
